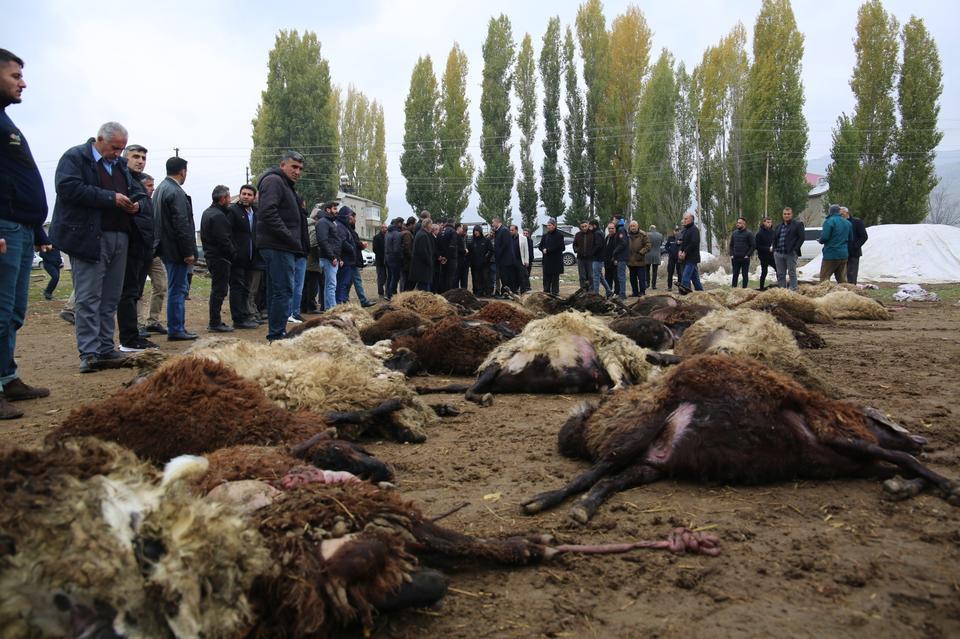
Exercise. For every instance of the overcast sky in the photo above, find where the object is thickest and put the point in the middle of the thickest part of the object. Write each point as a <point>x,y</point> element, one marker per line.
<point>190,74</point>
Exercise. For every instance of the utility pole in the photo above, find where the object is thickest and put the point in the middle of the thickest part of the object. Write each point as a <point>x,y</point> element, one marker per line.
<point>766,187</point>
<point>246,180</point>
<point>176,151</point>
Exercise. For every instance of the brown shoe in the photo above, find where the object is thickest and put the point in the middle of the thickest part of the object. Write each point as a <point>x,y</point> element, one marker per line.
<point>16,390</point>
<point>9,411</point>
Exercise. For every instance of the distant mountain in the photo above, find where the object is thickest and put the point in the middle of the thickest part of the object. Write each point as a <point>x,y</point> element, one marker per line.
<point>947,163</point>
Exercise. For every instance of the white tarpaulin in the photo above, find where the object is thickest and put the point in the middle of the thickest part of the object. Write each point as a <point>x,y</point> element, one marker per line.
<point>905,253</point>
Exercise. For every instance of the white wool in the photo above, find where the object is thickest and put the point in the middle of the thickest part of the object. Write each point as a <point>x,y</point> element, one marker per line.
<point>183,467</point>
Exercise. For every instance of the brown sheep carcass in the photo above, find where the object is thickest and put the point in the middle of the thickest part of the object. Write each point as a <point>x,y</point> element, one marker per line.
<point>464,299</point>
<point>645,332</point>
<point>454,346</point>
<point>511,315</point>
<point>718,418</point>
<point>679,318</point>
<point>391,322</point>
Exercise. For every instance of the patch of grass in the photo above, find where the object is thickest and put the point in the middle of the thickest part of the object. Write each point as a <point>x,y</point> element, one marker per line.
<point>949,293</point>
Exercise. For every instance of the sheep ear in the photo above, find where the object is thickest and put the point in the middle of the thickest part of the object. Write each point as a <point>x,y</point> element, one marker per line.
<point>183,467</point>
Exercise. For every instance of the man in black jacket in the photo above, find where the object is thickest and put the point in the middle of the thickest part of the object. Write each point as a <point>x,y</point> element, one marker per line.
<point>330,247</point>
<point>479,253</point>
<point>504,255</point>
<point>672,248</point>
<point>23,208</point>
<point>139,257</point>
<point>393,256</point>
<point>178,244</point>
<point>447,255</point>
<point>380,259</point>
<point>219,252</point>
<point>278,238</point>
<point>741,248</point>
<point>97,198</point>
<point>242,217</point>
<point>858,237</point>
<point>787,240</point>
<point>764,242</point>
<point>551,246</point>
<point>424,256</point>
<point>689,254</point>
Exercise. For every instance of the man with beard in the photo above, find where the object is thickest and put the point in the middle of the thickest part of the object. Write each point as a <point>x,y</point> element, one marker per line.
<point>243,277</point>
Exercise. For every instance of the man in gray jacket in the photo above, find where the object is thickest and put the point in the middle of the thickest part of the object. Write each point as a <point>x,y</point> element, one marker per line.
<point>652,258</point>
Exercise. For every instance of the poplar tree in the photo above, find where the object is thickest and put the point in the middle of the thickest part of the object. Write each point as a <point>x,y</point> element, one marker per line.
<point>495,179</point>
<point>356,139</point>
<point>921,82</point>
<point>595,51</point>
<point>420,158</point>
<point>456,166</point>
<point>378,183</point>
<point>775,128</point>
<point>574,141</point>
<point>295,113</point>
<point>551,175</point>
<point>525,85</point>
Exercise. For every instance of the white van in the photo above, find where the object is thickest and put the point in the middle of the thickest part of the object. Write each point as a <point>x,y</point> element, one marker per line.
<point>811,247</point>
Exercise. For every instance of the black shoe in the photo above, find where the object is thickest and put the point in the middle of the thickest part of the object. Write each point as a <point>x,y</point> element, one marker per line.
<point>47,296</point>
<point>88,364</point>
<point>156,327</point>
<point>246,324</point>
<point>368,304</point>
<point>185,336</point>
<point>312,311</point>
<point>683,289</point>
<point>221,328</point>
<point>110,357</point>
<point>68,316</point>
<point>137,346</point>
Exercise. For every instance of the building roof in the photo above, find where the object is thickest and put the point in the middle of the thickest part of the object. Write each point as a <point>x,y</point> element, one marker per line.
<point>814,178</point>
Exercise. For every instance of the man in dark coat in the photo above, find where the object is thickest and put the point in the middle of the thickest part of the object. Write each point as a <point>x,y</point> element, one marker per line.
<point>380,259</point>
<point>764,242</point>
<point>178,244</point>
<point>97,198</point>
<point>219,252</point>
<point>583,249</point>
<point>278,237</point>
<point>393,256</point>
<point>788,239</point>
<point>447,255</point>
<point>479,256</point>
<point>462,264</point>
<point>406,243</point>
<point>742,245</point>
<point>330,240</point>
<point>652,258</point>
<point>505,256</point>
<point>672,247</point>
<point>858,237</point>
<point>621,256</point>
<point>424,256</point>
<point>551,246</point>
<point>350,251</point>
<point>689,254</point>
<point>242,217</point>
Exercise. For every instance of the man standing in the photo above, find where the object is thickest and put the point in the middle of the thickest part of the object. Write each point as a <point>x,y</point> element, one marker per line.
<point>504,255</point>
<point>241,217</point>
<point>522,254</point>
<point>380,259</point>
<point>788,238</point>
<point>462,264</point>
<point>689,254</point>
<point>422,264</point>
<point>621,256</point>
<point>330,246</point>
<point>278,238</point>
<point>393,256</point>
<point>178,244</point>
<point>139,255</point>
<point>598,258</point>
<point>219,252</point>
<point>447,256</point>
<point>406,242</point>
<point>672,248</point>
<point>652,258</point>
<point>741,247</point>
<point>858,237</point>
<point>583,249</point>
<point>835,237</point>
<point>92,222</point>
<point>358,264</point>
<point>349,254</point>
<point>551,245</point>
<point>23,209</point>
<point>764,240</point>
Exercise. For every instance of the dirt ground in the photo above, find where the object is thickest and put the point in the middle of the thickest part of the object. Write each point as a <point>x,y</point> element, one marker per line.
<point>799,559</point>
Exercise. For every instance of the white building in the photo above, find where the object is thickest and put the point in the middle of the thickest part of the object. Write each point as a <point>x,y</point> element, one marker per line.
<point>368,213</point>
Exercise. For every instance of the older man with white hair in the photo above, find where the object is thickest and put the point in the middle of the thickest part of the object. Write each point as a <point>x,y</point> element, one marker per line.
<point>97,198</point>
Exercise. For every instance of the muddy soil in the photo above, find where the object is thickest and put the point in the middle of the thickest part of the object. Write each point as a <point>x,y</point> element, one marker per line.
<point>799,559</point>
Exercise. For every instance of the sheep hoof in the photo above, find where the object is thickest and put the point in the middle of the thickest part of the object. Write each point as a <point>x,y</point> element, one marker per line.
<point>532,507</point>
<point>579,514</point>
<point>898,488</point>
<point>486,399</point>
<point>952,493</point>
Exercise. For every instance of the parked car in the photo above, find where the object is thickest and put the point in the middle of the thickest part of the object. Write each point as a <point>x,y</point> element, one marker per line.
<point>811,247</point>
<point>569,257</point>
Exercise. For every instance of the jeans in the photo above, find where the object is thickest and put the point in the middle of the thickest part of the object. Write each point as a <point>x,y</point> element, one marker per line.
<point>15,266</point>
<point>98,286</point>
<point>622,278</point>
<point>358,284</point>
<point>280,273</point>
<point>786,264</point>
<point>299,274</point>
<point>129,294</point>
<point>598,278</point>
<point>52,265</point>
<point>219,269</point>
<point>176,296</point>
<point>691,275</point>
<point>344,281</point>
<point>329,283</point>
<point>741,266</point>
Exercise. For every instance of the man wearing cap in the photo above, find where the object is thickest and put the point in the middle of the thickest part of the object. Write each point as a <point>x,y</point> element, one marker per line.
<point>551,245</point>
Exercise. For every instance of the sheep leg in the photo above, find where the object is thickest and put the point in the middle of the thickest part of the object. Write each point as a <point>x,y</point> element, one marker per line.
<point>479,392</point>
<point>578,484</point>
<point>364,416</point>
<point>603,489</point>
<point>425,588</point>
<point>663,359</point>
<point>449,388</point>
<point>949,488</point>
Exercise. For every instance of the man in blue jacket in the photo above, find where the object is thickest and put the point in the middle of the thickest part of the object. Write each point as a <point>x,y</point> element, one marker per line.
<point>23,208</point>
<point>835,235</point>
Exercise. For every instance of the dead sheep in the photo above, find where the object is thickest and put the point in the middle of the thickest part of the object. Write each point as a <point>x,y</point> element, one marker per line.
<point>645,332</point>
<point>844,304</point>
<point>463,298</point>
<point>797,305</point>
<point>718,418</point>
<point>102,544</point>
<point>649,303</point>
<point>678,318</point>
<point>454,346</point>
<point>391,322</point>
<point>541,304</point>
<point>570,352</point>
<point>346,323</point>
<point>806,337</point>
<point>731,297</point>
<point>429,305</point>
<point>821,289</point>
<point>703,298</point>
<point>754,334</point>
<point>512,315</point>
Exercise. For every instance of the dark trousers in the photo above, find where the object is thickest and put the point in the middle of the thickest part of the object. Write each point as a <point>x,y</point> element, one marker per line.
<point>449,275</point>
<point>741,266</point>
<point>638,280</point>
<point>423,286</point>
<point>551,283</point>
<point>344,282</point>
<point>394,270</point>
<point>219,268</point>
<point>765,265</point>
<point>480,273</point>
<point>523,278</point>
<point>650,271</point>
<point>671,270</point>
<point>279,289</point>
<point>584,270</point>
<point>381,278</point>
<point>462,268</point>
<point>508,277</point>
<point>311,288</point>
<point>610,274</point>
<point>129,295</point>
<point>239,293</point>
<point>53,270</point>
